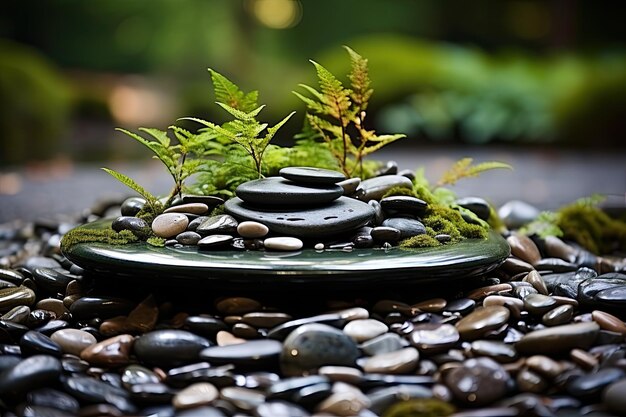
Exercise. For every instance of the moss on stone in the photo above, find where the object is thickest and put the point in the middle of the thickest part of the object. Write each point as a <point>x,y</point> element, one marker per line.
<point>420,241</point>
<point>398,190</point>
<point>149,213</point>
<point>159,242</point>
<point>108,236</point>
<point>218,210</point>
<point>592,228</point>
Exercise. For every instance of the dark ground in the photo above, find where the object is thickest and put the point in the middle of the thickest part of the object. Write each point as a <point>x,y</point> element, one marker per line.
<point>544,178</point>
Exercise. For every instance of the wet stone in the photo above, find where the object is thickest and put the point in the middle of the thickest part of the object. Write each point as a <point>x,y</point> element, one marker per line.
<point>478,382</point>
<point>375,188</point>
<point>281,331</point>
<point>29,374</point>
<point>188,238</point>
<point>462,306</point>
<point>589,387</point>
<point>252,230</point>
<point>169,225</point>
<point>609,322</point>
<point>341,215</point>
<point>277,192</point>
<point>35,343</point>
<point>558,339</point>
<point>385,343</point>
<point>102,307</point>
<point>93,391</point>
<point>49,397</point>
<point>558,315</point>
<point>208,200</point>
<point>16,315</point>
<point>385,234</point>
<point>482,321</point>
<point>314,345</point>
<point>534,279</point>
<point>243,398</point>
<point>198,394</point>
<point>361,330</point>
<point>131,206</point>
<point>255,353</point>
<point>434,338</point>
<point>313,394</point>
<point>53,305</point>
<point>205,326</point>
<point>517,213</point>
<point>432,305</point>
<point>189,208</point>
<point>408,227</point>
<point>538,304</point>
<point>17,296</point>
<point>349,186</point>
<point>523,248</point>
<point>309,175</point>
<point>404,204</point>
<point>138,375</point>
<point>222,224</point>
<point>555,265</point>
<point>169,348</point>
<point>286,388</point>
<point>215,242</point>
<point>134,224</point>
<point>498,351</point>
<point>398,362</point>
<point>476,205</point>
<point>109,352</point>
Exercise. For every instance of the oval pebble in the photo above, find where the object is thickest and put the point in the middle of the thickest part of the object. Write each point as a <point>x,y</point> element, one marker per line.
<point>169,225</point>
<point>73,341</point>
<point>364,329</point>
<point>252,230</point>
<point>283,243</point>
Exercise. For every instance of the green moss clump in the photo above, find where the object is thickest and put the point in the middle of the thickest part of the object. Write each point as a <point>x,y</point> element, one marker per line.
<point>420,241</point>
<point>398,190</point>
<point>592,228</point>
<point>149,213</point>
<point>420,407</point>
<point>159,242</point>
<point>109,236</point>
<point>218,210</point>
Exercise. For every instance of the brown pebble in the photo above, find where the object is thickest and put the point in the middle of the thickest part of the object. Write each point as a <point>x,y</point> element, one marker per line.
<point>515,266</point>
<point>535,279</point>
<point>559,315</point>
<point>481,321</point>
<point>433,305</point>
<point>544,365</point>
<point>529,381</point>
<point>265,320</point>
<point>609,322</point>
<point>523,248</point>
<point>583,359</point>
<point>110,352</point>
<point>556,248</point>
<point>515,305</point>
<point>191,208</point>
<point>237,306</point>
<point>482,292</point>
<point>245,331</point>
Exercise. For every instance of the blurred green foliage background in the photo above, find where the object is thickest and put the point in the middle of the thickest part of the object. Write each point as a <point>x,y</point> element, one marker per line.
<point>514,71</point>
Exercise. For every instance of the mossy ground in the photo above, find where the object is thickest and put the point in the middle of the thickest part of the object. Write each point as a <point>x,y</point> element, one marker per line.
<point>108,236</point>
<point>592,228</point>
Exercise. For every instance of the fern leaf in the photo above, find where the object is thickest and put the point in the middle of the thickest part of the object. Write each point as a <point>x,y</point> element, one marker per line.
<point>312,105</point>
<point>313,91</point>
<point>132,184</point>
<point>272,130</point>
<point>227,92</point>
<point>463,168</point>
<point>359,78</point>
<point>379,142</point>
<point>241,115</point>
<point>336,96</point>
<point>159,135</point>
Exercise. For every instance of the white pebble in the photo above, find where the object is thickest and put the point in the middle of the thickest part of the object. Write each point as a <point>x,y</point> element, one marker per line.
<point>364,329</point>
<point>252,230</point>
<point>319,246</point>
<point>283,243</point>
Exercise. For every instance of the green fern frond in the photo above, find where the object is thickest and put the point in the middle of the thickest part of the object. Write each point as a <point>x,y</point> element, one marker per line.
<point>335,96</point>
<point>463,168</point>
<point>360,81</point>
<point>241,115</point>
<point>272,130</point>
<point>227,92</point>
<point>546,224</point>
<point>133,185</point>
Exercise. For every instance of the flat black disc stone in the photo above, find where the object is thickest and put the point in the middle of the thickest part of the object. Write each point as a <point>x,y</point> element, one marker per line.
<point>277,191</point>
<point>342,215</point>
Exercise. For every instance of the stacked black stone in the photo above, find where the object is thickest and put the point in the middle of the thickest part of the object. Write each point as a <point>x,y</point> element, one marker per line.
<point>303,202</point>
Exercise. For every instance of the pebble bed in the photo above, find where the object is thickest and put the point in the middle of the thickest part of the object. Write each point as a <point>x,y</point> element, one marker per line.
<point>542,335</point>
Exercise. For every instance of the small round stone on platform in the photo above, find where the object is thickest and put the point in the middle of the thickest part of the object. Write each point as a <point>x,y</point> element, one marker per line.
<point>169,224</point>
<point>252,230</point>
<point>283,243</point>
<point>310,175</point>
<point>191,208</point>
